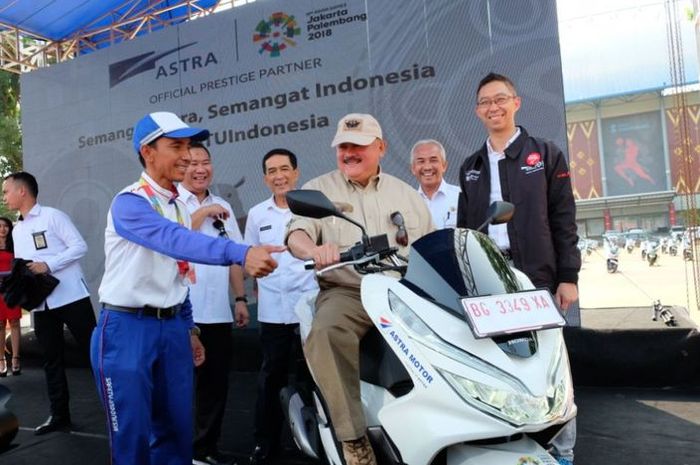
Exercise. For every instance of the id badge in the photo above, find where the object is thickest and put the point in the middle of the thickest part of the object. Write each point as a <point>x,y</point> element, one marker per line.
<point>39,240</point>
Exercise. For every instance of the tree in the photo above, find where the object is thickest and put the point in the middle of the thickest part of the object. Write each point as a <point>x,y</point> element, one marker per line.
<point>10,132</point>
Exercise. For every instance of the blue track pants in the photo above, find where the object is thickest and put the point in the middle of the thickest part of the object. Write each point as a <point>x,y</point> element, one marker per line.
<point>143,370</point>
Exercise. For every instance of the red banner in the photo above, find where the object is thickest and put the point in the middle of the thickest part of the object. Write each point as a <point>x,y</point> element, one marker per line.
<point>671,214</point>
<point>685,169</point>
<point>584,159</point>
<point>607,219</point>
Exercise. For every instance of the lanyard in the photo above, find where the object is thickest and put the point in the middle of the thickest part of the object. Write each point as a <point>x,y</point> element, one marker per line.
<point>183,266</point>
<point>153,198</point>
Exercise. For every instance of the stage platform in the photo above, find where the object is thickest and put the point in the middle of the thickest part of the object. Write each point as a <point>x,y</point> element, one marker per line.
<point>636,388</point>
<point>625,347</point>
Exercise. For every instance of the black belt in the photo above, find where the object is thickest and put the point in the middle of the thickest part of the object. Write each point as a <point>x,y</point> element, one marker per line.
<point>160,313</point>
<point>507,255</point>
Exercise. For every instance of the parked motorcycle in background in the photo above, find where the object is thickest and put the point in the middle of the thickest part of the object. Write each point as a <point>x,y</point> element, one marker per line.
<point>652,252</point>
<point>629,244</point>
<point>584,246</point>
<point>458,367</point>
<point>673,247</point>
<point>612,253</point>
<point>687,250</point>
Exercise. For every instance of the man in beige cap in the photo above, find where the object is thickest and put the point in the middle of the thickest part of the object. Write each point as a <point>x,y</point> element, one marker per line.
<point>371,197</point>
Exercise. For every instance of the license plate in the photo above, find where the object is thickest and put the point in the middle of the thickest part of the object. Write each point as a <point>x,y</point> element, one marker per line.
<point>493,315</point>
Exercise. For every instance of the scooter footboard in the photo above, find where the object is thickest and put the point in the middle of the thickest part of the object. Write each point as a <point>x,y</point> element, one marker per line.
<point>524,451</point>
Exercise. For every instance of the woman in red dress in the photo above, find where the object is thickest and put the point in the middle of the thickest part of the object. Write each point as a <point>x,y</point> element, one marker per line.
<point>6,313</point>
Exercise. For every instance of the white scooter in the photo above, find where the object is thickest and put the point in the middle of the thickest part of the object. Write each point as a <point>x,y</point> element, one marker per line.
<point>612,256</point>
<point>466,365</point>
<point>652,249</point>
<point>687,250</point>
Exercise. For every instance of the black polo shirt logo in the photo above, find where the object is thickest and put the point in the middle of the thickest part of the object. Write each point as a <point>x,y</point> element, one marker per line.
<point>533,163</point>
<point>472,175</point>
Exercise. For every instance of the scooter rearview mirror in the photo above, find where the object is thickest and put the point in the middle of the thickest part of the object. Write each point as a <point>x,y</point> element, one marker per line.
<point>498,212</point>
<point>315,204</point>
<point>311,203</point>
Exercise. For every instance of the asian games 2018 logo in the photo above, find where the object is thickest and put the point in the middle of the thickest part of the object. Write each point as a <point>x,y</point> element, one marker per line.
<point>276,34</point>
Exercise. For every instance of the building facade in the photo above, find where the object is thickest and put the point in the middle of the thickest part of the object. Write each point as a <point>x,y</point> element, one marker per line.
<point>634,160</point>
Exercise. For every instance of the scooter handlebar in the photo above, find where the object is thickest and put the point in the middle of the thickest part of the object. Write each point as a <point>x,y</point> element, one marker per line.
<point>362,254</point>
<point>345,257</point>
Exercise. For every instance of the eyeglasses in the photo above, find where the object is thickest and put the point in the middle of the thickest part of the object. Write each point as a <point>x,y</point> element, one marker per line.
<point>499,101</point>
<point>401,234</point>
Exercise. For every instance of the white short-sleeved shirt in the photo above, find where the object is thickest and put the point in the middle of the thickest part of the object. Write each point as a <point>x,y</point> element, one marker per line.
<point>278,292</point>
<point>48,235</point>
<point>443,205</point>
<point>209,295</point>
<point>135,275</point>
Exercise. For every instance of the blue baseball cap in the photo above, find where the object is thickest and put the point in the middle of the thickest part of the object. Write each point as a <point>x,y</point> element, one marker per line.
<point>164,124</point>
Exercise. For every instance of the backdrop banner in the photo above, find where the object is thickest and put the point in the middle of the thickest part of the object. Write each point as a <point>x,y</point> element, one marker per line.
<point>281,74</point>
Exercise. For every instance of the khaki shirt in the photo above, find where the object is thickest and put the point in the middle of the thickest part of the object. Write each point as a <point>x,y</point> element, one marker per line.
<point>370,206</point>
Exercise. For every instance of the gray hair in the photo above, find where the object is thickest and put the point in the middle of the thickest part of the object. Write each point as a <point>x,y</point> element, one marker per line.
<point>441,149</point>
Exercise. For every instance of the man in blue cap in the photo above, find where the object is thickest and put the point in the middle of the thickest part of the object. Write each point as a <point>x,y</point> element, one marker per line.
<point>145,338</point>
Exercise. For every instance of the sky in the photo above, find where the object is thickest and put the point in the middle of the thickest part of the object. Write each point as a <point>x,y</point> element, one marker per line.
<point>613,47</point>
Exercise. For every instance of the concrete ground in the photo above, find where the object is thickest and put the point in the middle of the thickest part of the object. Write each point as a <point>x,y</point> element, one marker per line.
<point>636,284</point>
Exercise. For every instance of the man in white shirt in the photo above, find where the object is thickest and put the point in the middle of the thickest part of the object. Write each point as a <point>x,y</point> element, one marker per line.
<point>278,293</point>
<point>49,239</point>
<point>146,344</point>
<point>211,308</point>
<point>428,165</point>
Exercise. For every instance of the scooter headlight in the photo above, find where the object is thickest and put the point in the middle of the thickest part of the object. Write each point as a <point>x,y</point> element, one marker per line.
<point>516,405</point>
<point>517,408</point>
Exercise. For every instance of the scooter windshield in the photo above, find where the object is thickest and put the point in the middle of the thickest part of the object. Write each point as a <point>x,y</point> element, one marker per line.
<point>451,263</point>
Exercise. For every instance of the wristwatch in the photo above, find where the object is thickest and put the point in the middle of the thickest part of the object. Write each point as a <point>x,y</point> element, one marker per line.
<point>242,299</point>
<point>195,331</point>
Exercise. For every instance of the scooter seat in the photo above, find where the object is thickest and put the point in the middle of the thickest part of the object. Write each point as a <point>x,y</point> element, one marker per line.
<point>305,309</point>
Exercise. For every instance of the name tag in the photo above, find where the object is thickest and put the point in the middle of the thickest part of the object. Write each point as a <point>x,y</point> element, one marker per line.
<point>266,227</point>
<point>39,240</point>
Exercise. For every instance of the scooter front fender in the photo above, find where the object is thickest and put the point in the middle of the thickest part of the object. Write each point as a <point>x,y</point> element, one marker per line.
<point>524,451</point>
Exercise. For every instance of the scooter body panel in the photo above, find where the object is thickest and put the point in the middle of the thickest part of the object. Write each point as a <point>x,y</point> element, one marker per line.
<point>433,414</point>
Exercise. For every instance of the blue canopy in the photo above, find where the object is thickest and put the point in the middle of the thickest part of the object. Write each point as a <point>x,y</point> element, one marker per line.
<point>60,19</point>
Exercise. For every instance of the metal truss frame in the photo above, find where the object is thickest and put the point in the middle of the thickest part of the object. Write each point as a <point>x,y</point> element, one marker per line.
<point>22,51</point>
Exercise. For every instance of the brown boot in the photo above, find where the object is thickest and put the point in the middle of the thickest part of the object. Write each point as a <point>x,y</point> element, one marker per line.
<point>359,452</point>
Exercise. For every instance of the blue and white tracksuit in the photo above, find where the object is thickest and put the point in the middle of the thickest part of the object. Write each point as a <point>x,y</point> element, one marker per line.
<point>143,365</point>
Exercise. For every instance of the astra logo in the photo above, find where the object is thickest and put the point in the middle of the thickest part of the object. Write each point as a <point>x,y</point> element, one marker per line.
<point>125,69</point>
